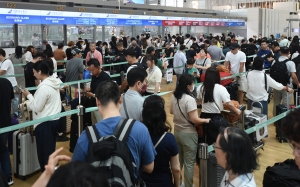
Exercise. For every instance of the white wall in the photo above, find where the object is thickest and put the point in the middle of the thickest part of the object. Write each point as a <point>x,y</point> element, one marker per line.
<point>253,18</point>
<point>288,6</point>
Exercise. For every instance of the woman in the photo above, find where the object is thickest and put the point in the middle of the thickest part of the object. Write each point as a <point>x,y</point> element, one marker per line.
<point>60,55</point>
<point>203,63</point>
<point>294,46</point>
<point>184,108</point>
<point>29,52</point>
<point>18,58</point>
<point>69,54</point>
<point>212,95</point>
<point>144,44</point>
<point>154,76</point>
<point>50,56</point>
<point>166,163</point>
<point>113,44</point>
<point>45,102</point>
<point>256,88</point>
<point>234,153</point>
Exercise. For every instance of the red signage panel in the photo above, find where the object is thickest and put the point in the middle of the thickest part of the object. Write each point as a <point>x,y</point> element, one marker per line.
<point>195,23</point>
<point>201,23</point>
<point>181,23</point>
<point>207,23</point>
<point>212,24</point>
<point>169,23</point>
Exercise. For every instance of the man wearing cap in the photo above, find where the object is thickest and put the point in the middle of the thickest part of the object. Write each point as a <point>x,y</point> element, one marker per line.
<point>284,41</point>
<point>74,69</point>
<point>235,61</point>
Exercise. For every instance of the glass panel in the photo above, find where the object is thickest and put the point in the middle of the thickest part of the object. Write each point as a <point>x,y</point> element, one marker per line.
<point>172,30</point>
<point>6,36</point>
<point>197,30</point>
<point>30,35</point>
<point>117,31</point>
<point>85,32</point>
<point>138,30</point>
<point>99,33</point>
<point>55,34</point>
<point>184,30</point>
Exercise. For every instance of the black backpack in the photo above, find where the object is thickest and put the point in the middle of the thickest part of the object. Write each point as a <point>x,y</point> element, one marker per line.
<point>112,155</point>
<point>143,62</point>
<point>285,174</point>
<point>280,73</point>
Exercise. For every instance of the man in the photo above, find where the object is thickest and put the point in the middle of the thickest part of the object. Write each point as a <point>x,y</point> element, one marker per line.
<point>136,47</point>
<point>7,68</point>
<point>47,47</point>
<point>284,41</point>
<point>98,76</point>
<point>133,101</point>
<point>207,43</point>
<point>282,95</point>
<point>93,53</point>
<point>99,47</point>
<point>169,52</point>
<point>108,101</point>
<point>263,53</point>
<point>252,49</point>
<point>78,43</point>
<point>179,62</point>
<point>236,59</point>
<point>188,41</point>
<point>6,96</point>
<point>30,79</point>
<point>276,50</point>
<point>133,63</point>
<point>214,51</point>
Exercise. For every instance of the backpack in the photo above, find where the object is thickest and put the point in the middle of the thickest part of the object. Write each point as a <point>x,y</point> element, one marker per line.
<point>298,71</point>
<point>280,73</point>
<point>112,155</point>
<point>143,62</point>
<point>285,174</point>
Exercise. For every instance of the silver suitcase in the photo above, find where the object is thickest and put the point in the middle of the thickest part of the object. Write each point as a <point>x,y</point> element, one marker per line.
<point>215,172</point>
<point>24,155</point>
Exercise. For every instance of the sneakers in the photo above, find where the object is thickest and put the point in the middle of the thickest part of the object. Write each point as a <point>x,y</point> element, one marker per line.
<point>10,181</point>
<point>62,138</point>
<point>182,184</point>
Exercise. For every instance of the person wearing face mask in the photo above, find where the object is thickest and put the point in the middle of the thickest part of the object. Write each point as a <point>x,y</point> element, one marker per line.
<point>93,53</point>
<point>154,76</point>
<point>136,48</point>
<point>132,105</point>
<point>184,109</point>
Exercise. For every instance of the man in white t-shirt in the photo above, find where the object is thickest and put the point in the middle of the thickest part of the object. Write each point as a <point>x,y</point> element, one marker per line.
<point>188,41</point>
<point>235,61</point>
<point>7,68</point>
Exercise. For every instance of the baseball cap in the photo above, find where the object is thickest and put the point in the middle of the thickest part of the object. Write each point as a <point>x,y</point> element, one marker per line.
<point>234,46</point>
<point>75,51</point>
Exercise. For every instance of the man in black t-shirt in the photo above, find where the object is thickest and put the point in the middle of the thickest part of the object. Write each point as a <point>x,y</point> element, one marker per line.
<point>120,57</point>
<point>6,96</point>
<point>169,52</point>
<point>30,80</point>
<point>98,76</point>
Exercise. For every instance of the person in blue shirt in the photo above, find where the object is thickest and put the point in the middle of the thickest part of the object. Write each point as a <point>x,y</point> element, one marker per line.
<point>108,101</point>
<point>263,52</point>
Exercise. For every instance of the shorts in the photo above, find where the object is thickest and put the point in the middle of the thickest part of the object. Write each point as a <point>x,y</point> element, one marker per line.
<point>241,81</point>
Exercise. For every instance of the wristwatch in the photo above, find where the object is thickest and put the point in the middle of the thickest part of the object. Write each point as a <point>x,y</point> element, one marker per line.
<point>94,96</point>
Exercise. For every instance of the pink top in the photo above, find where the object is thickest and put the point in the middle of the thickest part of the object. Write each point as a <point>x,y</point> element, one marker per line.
<point>97,55</point>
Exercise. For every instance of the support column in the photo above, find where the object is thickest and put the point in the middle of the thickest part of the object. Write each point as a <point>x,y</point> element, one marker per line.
<point>65,35</point>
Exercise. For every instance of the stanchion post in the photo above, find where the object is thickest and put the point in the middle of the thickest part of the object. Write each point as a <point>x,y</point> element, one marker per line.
<point>203,156</point>
<point>80,119</point>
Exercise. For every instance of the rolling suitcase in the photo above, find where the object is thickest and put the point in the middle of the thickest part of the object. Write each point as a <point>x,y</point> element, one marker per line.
<point>280,108</point>
<point>25,155</point>
<point>233,90</point>
<point>215,172</point>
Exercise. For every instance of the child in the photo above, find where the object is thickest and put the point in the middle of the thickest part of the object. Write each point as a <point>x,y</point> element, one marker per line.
<point>193,71</point>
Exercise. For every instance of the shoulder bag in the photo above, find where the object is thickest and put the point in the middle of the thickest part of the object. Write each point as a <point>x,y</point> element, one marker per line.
<point>198,129</point>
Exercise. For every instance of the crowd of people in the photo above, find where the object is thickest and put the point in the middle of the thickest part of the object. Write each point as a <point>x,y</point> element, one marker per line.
<point>162,164</point>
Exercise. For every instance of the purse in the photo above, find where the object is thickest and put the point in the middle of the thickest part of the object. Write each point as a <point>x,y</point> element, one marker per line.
<point>229,115</point>
<point>198,129</point>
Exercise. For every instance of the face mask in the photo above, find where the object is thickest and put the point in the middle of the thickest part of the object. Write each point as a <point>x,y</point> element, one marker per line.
<point>133,44</point>
<point>143,89</point>
<point>192,89</point>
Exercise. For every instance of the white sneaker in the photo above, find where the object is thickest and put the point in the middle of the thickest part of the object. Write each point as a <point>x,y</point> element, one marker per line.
<point>182,184</point>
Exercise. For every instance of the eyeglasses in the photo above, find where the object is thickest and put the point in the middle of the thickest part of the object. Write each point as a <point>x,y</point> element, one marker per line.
<point>215,147</point>
<point>294,147</point>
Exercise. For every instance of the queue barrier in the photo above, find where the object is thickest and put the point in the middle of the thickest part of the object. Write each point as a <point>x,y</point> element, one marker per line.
<point>55,116</point>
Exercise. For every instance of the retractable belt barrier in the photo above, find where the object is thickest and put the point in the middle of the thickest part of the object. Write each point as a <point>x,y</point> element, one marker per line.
<point>52,117</point>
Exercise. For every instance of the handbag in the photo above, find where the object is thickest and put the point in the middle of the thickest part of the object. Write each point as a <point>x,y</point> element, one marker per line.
<point>230,115</point>
<point>198,129</point>
<point>222,68</point>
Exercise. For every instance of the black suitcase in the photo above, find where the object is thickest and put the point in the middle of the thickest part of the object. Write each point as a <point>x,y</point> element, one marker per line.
<point>215,172</point>
<point>233,90</point>
<point>250,122</point>
<point>279,133</point>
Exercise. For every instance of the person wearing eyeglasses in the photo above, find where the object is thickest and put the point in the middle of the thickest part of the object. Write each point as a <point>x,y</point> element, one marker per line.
<point>234,153</point>
<point>291,129</point>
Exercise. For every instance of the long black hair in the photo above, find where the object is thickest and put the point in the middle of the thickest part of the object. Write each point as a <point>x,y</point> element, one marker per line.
<point>184,80</point>
<point>18,52</point>
<point>212,77</point>
<point>154,115</point>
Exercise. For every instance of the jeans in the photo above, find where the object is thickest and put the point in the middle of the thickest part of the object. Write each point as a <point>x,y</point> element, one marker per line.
<point>257,105</point>
<point>45,134</point>
<point>16,102</point>
<point>187,146</point>
<point>5,165</point>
